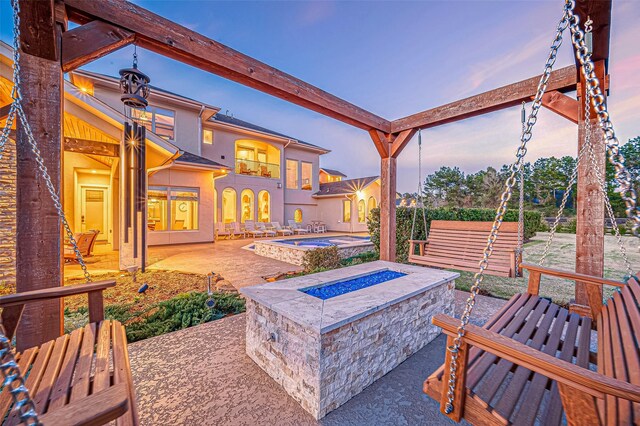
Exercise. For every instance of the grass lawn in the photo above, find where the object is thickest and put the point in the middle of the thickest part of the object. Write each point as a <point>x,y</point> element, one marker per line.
<point>561,256</point>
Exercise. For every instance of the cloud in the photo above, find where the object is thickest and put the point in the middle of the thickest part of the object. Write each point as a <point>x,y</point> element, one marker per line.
<point>314,12</point>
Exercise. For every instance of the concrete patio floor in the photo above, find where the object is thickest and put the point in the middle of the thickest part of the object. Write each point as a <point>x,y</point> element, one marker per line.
<point>202,375</point>
<point>241,267</point>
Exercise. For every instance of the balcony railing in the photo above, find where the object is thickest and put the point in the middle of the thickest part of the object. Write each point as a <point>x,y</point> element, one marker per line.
<point>257,168</point>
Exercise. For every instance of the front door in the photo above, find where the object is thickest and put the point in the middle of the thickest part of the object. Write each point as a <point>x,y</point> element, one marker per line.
<point>93,210</point>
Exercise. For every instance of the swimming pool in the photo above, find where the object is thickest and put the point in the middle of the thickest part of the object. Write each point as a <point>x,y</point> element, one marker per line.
<point>347,286</point>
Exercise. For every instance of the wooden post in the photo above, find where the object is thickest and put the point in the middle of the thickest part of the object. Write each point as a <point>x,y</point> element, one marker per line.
<point>388,209</point>
<point>590,208</point>
<point>38,248</point>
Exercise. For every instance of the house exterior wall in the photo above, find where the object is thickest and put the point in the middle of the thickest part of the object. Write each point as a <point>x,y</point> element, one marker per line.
<point>330,209</point>
<point>223,151</point>
<point>300,198</point>
<point>203,181</point>
<point>187,130</point>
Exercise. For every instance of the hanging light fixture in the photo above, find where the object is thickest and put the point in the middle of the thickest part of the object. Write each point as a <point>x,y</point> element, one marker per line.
<point>134,85</point>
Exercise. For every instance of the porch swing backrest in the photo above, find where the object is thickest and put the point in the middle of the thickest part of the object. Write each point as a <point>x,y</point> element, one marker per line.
<point>460,245</point>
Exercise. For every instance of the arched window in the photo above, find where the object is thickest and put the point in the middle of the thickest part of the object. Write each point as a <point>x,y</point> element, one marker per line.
<point>297,216</point>
<point>371,204</point>
<point>264,206</point>
<point>362,214</point>
<point>229,205</point>
<point>247,205</point>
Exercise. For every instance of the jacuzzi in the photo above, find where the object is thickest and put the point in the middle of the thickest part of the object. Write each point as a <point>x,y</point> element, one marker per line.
<point>325,337</point>
<point>292,250</point>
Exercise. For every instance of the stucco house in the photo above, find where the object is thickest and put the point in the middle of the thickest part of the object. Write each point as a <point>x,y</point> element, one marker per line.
<point>344,204</point>
<point>202,167</point>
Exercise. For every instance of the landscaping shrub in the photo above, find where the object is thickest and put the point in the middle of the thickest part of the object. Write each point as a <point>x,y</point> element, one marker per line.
<point>367,256</point>
<point>182,311</point>
<point>321,258</point>
<point>568,228</point>
<point>404,218</point>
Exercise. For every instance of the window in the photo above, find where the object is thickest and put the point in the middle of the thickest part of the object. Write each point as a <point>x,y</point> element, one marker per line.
<point>362,213</point>
<point>159,121</point>
<point>157,208</point>
<point>247,205</point>
<point>292,174</point>
<point>371,204</point>
<point>181,213</point>
<point>297,216</point>
<point>264,206</point>
<point>256,158</point>
<point>207,137</point>
<point>229,205</point>
<point>346,210</point>
<point>184,209</point>
<point>307,173</point>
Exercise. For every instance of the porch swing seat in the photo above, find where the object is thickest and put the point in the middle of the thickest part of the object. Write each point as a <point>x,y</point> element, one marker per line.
<point>533,361</point>
<point>81,378</point>
<point>460,245</point>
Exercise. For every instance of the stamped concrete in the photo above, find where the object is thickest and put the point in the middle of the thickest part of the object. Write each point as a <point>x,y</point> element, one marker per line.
<point>202,375</point>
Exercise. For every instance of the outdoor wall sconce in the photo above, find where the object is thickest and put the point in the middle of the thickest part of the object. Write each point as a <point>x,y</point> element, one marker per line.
<point>279,185</point>
<point>134,85</point>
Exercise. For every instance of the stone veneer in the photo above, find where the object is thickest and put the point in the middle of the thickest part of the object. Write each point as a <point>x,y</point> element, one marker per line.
<point>295,254</point>
<point>8,215</point>
<point>323,353</point>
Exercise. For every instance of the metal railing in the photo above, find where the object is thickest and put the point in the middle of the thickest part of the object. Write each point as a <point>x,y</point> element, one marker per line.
<point>257,168</point>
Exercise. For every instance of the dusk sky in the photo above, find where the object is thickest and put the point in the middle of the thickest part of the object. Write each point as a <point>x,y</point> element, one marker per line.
<point>394,59</point>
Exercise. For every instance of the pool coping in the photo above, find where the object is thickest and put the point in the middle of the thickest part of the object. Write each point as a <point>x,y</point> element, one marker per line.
<point>322,316</point>
<point>279,243</point>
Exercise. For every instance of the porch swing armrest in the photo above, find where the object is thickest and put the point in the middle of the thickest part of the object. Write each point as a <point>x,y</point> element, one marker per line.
<point>566,374</point>
<point>97,409</point>
<point>574,276</point>
<point>54,293</point>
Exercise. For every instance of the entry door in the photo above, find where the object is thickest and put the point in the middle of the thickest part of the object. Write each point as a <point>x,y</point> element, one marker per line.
<point>93,210</point>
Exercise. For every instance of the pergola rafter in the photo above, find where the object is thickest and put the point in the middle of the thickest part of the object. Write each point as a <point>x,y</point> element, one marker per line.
<point>108,25</point>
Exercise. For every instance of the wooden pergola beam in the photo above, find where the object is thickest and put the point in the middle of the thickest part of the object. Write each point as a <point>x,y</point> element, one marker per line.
<point>38,32</point>
<point>83,146</point>
<point>175,41</point>
<point>600,13</point>
<point>4,111</point>
<point>562,105</point>
<point>91,41</point>
<point>38,235</point>
<point>562,80</point>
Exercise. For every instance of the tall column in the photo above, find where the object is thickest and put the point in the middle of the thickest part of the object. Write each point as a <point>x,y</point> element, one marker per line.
<point>388,209</point>
<point>590,206</point>
<point>38,248</point>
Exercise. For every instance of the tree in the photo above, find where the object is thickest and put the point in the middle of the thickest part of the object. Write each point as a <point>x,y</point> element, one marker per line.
<point>631,153</point>
<point>445,187</point>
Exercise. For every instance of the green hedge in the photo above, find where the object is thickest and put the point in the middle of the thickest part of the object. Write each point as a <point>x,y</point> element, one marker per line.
<point>404,218</point>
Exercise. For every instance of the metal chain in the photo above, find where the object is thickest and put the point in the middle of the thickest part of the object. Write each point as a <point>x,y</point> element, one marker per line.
<point>602,181</point>
<point>520,248</point>
<point>506,195</point>
<point>622,175</point>
<point>565,197</point>
<point>420,196</point>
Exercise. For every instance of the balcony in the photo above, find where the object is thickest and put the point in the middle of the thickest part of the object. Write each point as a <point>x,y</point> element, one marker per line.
<point>257,168</point>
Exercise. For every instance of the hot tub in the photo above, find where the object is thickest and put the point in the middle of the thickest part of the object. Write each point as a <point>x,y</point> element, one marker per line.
<point>292,250</point>
<point>325,337</point>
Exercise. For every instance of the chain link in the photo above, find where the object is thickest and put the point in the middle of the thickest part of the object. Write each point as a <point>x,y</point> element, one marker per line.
<point>504,199</point>
<point>520,248</point>
<point>622,175</point>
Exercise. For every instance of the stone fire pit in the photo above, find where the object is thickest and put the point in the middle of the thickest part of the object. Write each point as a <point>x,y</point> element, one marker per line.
<point>324,352</point>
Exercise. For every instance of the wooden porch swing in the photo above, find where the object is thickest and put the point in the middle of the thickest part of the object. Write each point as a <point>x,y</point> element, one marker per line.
<point>533,361</point>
